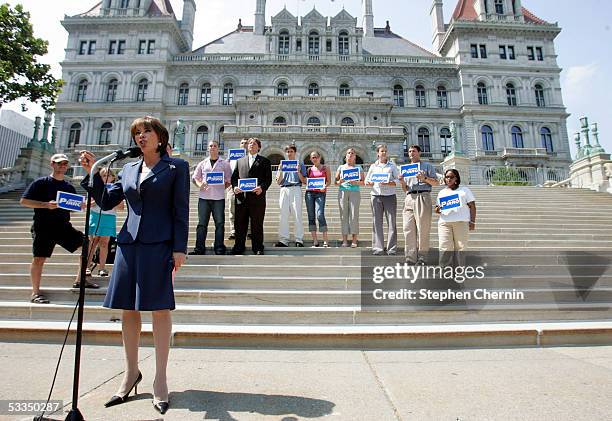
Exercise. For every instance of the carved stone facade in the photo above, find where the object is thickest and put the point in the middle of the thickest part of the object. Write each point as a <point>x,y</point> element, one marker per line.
<point>322,83</point>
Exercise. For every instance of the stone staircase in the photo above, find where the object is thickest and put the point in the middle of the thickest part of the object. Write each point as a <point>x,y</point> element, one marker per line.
<point>554,245</point>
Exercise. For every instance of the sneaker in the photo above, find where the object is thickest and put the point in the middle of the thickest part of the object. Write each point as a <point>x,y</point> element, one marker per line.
<point>102,272</point>
<point>421,262</point>
<point>377,253</point>
<point>281,244</point>
<point>299,244</point>
<point>232,237</point>
<point>196,252</point>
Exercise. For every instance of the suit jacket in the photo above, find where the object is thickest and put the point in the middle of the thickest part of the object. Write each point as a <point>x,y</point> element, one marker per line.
<point>158,208</point>
<point>261,169</point>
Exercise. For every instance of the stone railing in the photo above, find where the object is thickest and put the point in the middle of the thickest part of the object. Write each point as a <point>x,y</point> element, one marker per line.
<point>349,99</point>
<point>11,179</point>
<point>398,131</point>
<point>326,58</point>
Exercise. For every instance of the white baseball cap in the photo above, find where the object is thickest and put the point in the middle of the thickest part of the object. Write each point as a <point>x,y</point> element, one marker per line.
<point>59,157</point>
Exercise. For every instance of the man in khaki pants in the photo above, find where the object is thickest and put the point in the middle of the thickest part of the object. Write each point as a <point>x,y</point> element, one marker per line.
<point>231,197</point>
<point>418,208</point>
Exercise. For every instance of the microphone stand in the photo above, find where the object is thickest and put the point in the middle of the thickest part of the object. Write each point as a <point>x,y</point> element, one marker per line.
<point>75,414</point>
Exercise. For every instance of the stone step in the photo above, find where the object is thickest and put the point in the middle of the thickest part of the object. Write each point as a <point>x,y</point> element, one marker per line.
<point>329,315</point>
<point>415,336</point>
<point>315,297</point>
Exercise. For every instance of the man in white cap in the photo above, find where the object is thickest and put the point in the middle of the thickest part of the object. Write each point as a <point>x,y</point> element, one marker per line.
<point>51,224</point>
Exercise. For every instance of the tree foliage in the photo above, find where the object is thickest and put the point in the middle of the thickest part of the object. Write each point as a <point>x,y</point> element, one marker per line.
<point>20,74</point>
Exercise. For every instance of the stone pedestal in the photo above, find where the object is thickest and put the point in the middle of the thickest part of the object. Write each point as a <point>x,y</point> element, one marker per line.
<point>34,163</point>
<point>461,164</point>
<point>592,172</point>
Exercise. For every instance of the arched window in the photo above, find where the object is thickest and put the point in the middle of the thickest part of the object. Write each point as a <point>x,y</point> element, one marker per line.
<point>442,97</point>
<point>487,138</point>
<point>347,122</point>
<point>74,138</point>
<point>282,89</point>
<point>511,94</point>
<point>546,136</point>
<point>205,94</point>
<point>283,42</point>
<point>343,44</point>
<point>423,140</point>
<point>228,94</point>
<point>313,89</point>
<point>313,121</point>
<point>141,93</point>
<point>201,138</point>
<point>499,7</point>
<point>419,94</point>
<point>405,144</point>
<point>105,133</point>
<point>483,98</point>
<point>183,94</point>
<point>517,137</point>
<point>398,95</point>
<point>539,95</point>
<point>344,90</point>
<point>445,141</point>
<point>82,91</point>
<point>313,43</point>
<point>111,90</point>
<point>279,121</point>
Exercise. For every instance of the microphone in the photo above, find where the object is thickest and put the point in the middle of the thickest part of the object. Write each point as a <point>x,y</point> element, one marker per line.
<point>133,152</point>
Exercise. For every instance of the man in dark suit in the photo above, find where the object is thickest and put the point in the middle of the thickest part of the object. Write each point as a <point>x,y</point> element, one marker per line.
<point>251,205</point>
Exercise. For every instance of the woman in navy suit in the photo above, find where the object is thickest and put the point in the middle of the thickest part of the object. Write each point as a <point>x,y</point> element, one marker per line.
<point>151,244</point>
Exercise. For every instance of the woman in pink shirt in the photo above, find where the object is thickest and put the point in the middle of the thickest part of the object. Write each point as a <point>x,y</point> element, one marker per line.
<point>315,200</point>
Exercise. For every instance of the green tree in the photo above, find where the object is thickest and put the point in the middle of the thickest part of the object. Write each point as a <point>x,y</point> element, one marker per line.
<point>20,75</point>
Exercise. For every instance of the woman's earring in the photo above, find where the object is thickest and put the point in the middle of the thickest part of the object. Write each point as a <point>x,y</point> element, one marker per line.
<point>159,144</point>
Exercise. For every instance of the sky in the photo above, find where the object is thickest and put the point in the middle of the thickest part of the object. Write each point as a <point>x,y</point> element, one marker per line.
<point>584,47</point>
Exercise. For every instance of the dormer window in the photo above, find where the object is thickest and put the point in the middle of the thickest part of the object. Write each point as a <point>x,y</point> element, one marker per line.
<point>499,7</point>
<point>283,42</point>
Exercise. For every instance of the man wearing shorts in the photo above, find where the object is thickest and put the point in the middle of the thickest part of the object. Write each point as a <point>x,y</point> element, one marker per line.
<point>51,224</point>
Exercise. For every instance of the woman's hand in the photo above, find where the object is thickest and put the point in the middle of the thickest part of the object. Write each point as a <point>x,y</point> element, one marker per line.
<point>87,159</point>
<point>179,259</point>
<point>437,209</point>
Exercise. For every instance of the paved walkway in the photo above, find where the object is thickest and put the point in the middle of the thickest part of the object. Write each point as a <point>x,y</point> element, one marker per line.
<point>573,383</point>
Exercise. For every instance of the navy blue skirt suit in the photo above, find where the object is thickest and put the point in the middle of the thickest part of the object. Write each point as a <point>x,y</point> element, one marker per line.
<point>156,226</point>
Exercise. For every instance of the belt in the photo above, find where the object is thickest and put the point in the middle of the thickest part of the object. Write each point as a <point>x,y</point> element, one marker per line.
<point>292,185</point>
<point>419,191</point>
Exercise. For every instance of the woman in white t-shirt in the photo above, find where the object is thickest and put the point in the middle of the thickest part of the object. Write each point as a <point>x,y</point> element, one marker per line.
<point>457,209</point>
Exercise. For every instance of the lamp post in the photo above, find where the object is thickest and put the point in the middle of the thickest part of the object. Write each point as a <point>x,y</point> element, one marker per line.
<point>597,148</point>
<point>586,149</point>
<point>579,153</point>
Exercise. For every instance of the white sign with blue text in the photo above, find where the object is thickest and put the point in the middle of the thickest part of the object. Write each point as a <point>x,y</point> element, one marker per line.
<point>247,184</point>
<point>288,166</point>
<point>350,174</point>
<point>410,170</point>
<point>450,203</point>
<point>317,183</point>
<point>235,154</point>
<point>215,178</point>
<point>381,177</point>
<point>69,201</point>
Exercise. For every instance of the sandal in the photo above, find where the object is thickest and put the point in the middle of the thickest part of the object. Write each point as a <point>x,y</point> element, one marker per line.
<point>39,299</point>
<point>102,272</point>
<point>87,285</point>
<point>344,245</point>
<point>354,245</point>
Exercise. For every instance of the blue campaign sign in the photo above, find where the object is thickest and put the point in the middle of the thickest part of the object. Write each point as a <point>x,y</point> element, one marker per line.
<point>215,178</point>
<point>410,170</point>
<point>382,177</point>
<point>288,166</point>
<point>350,174</point>
<point>450,202</point>
<point>69,201</point>
<point>317,183</point>
<point>247,184</point>
<point>235,154</point>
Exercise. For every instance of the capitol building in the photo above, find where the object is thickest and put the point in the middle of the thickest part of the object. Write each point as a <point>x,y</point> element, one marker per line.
<point>323,83</point>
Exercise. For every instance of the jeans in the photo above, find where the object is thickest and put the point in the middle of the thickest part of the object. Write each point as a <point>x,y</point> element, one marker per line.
<point>205,208</point>
<point>315,207</point>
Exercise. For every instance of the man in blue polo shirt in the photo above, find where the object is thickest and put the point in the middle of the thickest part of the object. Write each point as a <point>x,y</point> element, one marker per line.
<point>290,200</point>
<point>51,224</point>
<point>418,208</point>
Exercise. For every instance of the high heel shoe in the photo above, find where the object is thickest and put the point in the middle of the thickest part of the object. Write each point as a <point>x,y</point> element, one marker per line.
<point>116,399</point>
<point>161,406</point>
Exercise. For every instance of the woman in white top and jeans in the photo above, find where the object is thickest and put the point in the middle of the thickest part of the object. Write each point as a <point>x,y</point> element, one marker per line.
<point>454,224</point>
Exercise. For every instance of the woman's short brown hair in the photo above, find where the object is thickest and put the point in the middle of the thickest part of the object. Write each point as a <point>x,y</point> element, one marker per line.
<point>152,123</point>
